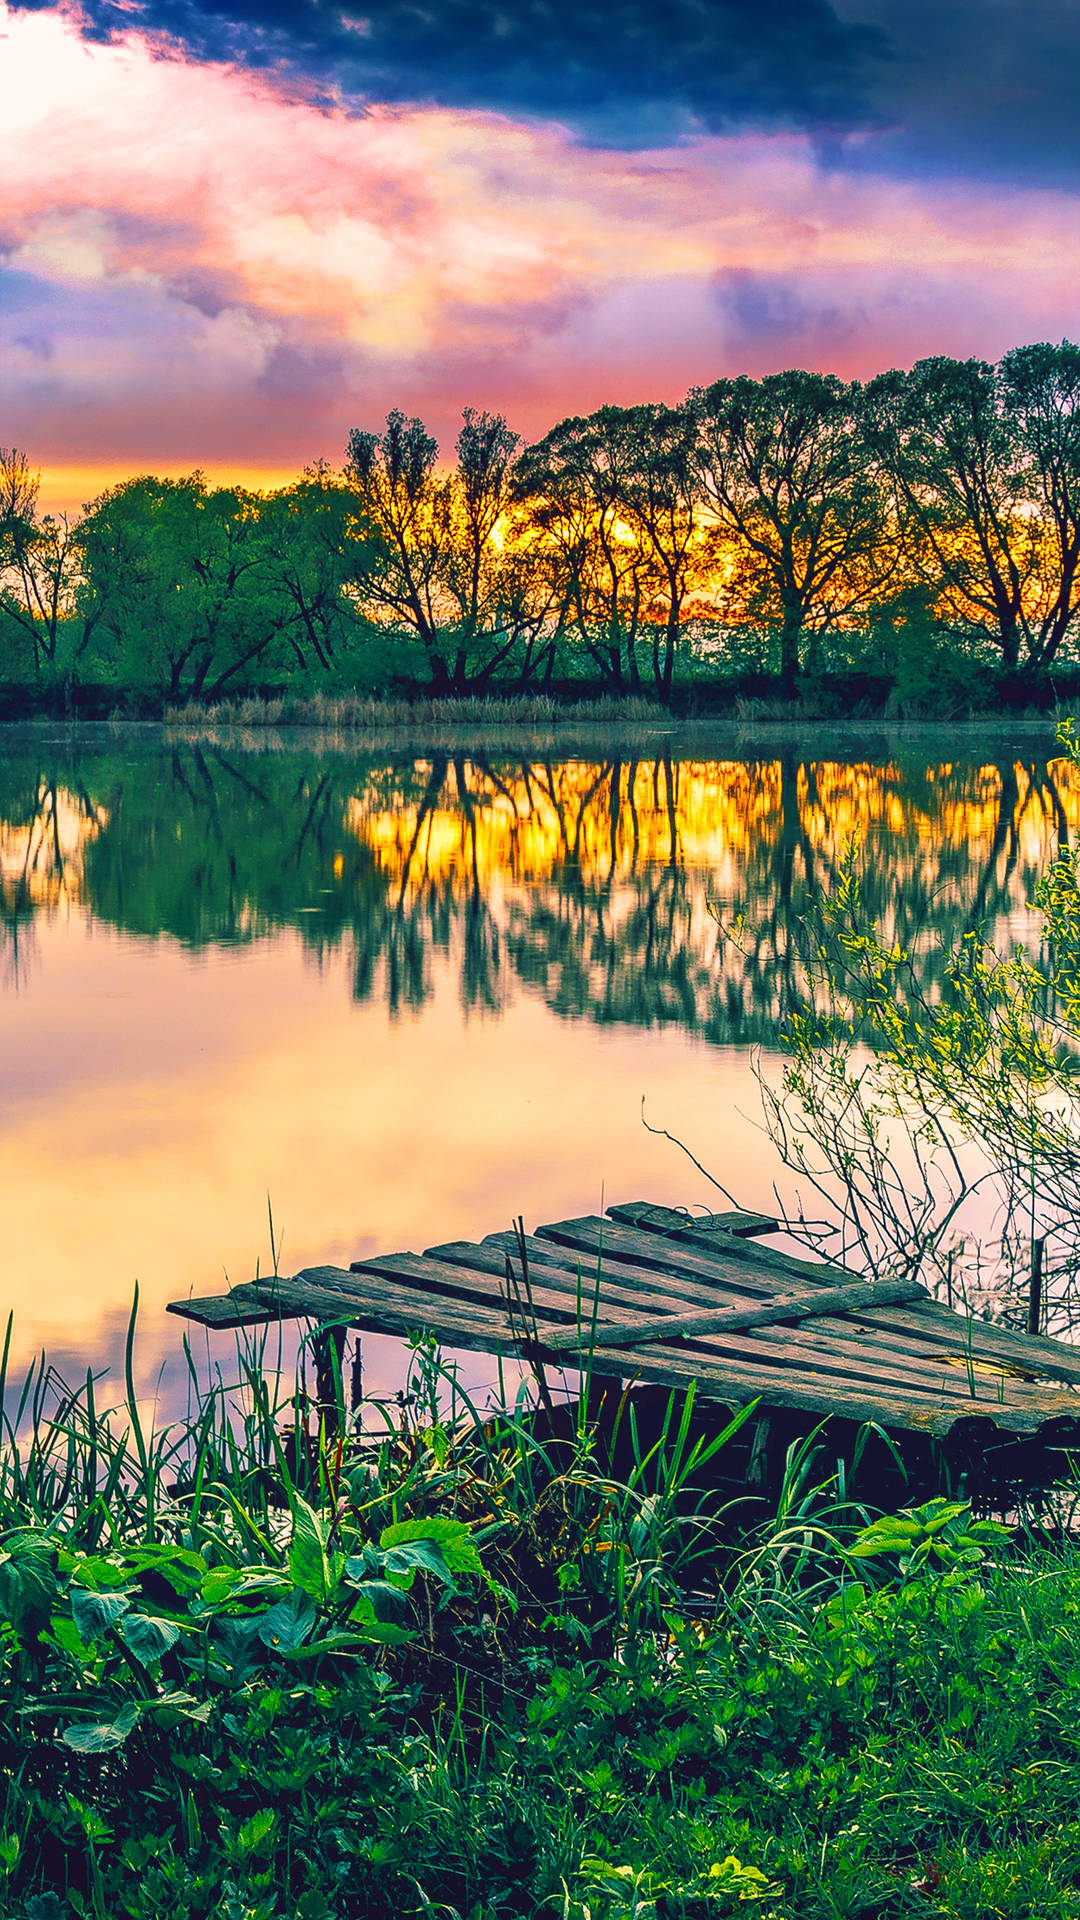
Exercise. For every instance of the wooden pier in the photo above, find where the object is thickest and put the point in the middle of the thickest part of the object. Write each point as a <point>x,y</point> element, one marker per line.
<point>652,1295</point>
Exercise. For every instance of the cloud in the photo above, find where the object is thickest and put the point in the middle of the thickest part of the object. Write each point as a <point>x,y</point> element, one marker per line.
<point>628,73</point>
<point>982,88</point>
<point>197,267</point>
<point>979,89</point>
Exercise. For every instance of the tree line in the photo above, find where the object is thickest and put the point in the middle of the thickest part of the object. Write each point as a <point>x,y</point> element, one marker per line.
<point>921,528</point>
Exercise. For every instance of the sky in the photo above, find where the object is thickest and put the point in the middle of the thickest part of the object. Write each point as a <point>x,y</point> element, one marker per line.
<point>231,230</point>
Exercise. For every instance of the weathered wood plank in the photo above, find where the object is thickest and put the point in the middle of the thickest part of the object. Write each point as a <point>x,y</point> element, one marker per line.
<point>671,1220</point>
<point>382,1303</point>
<point>859,1341</point>
<point>934,1327</point>
<point>554,1267</point>
<point>224,1310</point>
<point>786,1307</point>
<point>753,1253</point>
<point>848,1351</point>
<point>592,1235</point>
<point>693,1280</point>
<point>326,1293</point>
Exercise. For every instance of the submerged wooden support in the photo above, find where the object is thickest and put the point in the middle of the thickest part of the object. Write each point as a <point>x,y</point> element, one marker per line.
<point>658,1299</point>
<point>328,1347</point>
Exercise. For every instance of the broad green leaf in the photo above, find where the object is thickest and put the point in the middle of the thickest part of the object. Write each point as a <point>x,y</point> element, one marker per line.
<point>94,1613</point>
<point>102,1737</point>
<point>287,1626</point>
<point>183,1569</point>
<point>148,1637</point>
<point>417,1556</point>
<point>96,1570</point>
<point>452,1537</point>
<point>307,1551</point>
<point>377,1597</point>
<point>27,1581</point>
<point>218,1584</point>
<point>384,1633</point>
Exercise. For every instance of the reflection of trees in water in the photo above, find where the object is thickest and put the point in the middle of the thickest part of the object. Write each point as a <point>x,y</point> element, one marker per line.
<point>45,825</point>
<point>603,884</point>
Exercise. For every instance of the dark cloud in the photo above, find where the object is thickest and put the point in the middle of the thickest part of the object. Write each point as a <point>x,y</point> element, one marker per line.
<point>947,86</point>
<point>983,88</point>
<point>621,72</point>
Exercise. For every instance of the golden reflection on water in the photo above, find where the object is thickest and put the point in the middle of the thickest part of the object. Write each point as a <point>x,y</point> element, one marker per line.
<point>411,1000</point>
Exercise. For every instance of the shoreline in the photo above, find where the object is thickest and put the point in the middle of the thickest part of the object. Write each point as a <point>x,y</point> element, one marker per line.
<point>564,730</point>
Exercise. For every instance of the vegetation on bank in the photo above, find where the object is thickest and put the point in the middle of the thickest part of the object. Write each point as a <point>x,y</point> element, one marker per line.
<point>916,538</point>
<point>443,1665</point>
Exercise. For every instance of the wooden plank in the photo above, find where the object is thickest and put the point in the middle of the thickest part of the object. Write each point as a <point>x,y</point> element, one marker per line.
<point>225,1310</point>
<point>592,1235</point>
<point>328,1293</point>
<point>1035,1353</point>
<point>754,1253</point>
<point>381,1303</point>
<point>640,1288</point>
<point>888,1331</point>
<point>786,1307</point>
<point>430,1274</point>
<point>934,1325</point>
<point>843,1348</point>
<point>319,1292</point>
<point>672,1220</point>
<point>789,1349</point>
<point>646,1281</point>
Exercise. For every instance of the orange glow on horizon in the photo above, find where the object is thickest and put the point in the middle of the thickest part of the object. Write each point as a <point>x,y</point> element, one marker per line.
<point>68,489</point>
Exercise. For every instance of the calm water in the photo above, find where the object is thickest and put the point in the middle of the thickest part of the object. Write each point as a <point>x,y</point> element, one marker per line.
<point>409,998</point>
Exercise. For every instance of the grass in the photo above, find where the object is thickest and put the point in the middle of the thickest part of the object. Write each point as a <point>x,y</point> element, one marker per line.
<point>448,1667</point>
<point>368,716</point>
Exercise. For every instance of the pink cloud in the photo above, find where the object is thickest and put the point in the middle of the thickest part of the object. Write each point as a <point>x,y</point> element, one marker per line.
<point>204,266</point>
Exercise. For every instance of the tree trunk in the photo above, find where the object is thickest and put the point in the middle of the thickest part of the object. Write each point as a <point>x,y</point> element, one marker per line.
<point>790,634</point>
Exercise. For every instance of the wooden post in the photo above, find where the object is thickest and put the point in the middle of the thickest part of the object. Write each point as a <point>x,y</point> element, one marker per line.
<point>758,1464</point>
<point>328,1345</point>
<point>1035,1286</point>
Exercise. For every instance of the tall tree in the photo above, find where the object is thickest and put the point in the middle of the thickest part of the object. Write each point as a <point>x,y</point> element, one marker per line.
<point>660,501</point>
<point>784,475</point>
<point>178,581</point>
<point>41,573</point>
<point>313,545</point>
<point>441,573</point>
<point>574,485</point>
<point>985,463</point>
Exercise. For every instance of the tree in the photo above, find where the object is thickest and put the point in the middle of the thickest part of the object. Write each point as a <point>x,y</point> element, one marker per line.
<point>785,475</point>
<point>660,501</point>
<point>574,487</point>
<point>178,579</point>
<point>985,465</point>
<point>441,573</point>
<point>931,1098</point>
<point>41,572</point>
<point>313,547</point>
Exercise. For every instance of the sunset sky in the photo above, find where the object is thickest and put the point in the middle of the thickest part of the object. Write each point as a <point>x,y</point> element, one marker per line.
<point>232,229</point>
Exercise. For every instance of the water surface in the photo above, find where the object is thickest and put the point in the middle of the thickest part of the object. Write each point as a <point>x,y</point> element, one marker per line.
<point>409,998</point>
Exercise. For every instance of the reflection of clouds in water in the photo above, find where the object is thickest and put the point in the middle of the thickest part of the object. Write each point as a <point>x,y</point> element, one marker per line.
<point>221,1361</point>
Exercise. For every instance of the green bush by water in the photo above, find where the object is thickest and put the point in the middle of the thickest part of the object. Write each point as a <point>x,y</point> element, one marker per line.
<point>256,1672</point>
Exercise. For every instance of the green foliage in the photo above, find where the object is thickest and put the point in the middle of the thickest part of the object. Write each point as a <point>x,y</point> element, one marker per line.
<point>459,1669</point>
<point>925,1092</point>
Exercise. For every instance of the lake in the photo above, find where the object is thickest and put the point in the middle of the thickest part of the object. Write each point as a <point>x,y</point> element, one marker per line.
<point>410,995</point>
